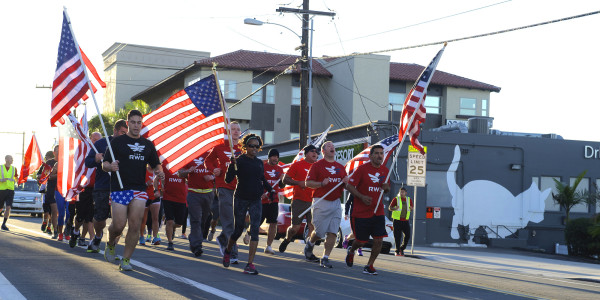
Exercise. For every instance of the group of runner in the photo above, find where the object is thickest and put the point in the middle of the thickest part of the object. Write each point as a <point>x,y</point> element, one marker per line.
<point>227,184</point>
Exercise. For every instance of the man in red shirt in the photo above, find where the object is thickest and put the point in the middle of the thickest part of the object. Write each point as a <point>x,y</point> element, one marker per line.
<point>324,176</point>
<point>217,162</point>
<point>366,184</point>
<point>174,202</point>
<point>199,196</point>
<point>270,207</point>
<point>296,176</point>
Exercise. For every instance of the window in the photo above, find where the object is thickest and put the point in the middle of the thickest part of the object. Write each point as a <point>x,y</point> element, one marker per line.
<point>545,183</point>
<point>269,137</point>
<point>270,97</point>
<point>257,97</point>
<point>467,106</point>
<point>296,95</point>
<point>294,136</point>
<point>222,86</point>
<point>583,186</point>
<point>484,107</point>
<point>228,88</point>
<point>432,104</point>
<point>396,101</point>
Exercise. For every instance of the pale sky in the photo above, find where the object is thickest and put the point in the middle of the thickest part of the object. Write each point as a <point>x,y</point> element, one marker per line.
<point>545,72</point>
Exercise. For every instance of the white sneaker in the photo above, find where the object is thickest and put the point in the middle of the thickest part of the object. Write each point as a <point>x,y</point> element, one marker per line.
<point>269,250</point>
<point>247,239</point>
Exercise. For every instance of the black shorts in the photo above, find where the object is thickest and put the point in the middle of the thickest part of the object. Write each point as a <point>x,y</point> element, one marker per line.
<point>6,197</point>
<point>364,228</point>
<point>174,211</point>
<point>47,208</point>
<point>49,197</point>
<point>101,205</point>
<point>270,212</point>
<point>85,206</point>
<point>152,201</point>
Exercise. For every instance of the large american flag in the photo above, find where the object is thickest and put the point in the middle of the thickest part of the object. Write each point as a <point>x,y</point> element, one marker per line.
<point>73,176</point>
<point>187,125</point>
<point>288,190</point>
<point>415,101</point>
<point>70,83</point>
<point>389,144</point>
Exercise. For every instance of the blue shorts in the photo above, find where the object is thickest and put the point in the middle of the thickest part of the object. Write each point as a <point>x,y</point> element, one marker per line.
<point>126,196</point>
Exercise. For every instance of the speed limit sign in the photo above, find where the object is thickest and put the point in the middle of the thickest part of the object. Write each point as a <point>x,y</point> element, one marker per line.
<point>416,167</point>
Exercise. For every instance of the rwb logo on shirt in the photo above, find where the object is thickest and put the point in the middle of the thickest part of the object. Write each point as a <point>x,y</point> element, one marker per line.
<point>375,177</point>
<point>374,189</point>
<point>272,173</point>
<point>199,161</point>
<point>176,180</point>
<point>136,147</point>
<point>333,170</point>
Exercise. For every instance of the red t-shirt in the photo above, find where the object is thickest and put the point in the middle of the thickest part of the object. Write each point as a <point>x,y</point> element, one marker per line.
<point>175,188</point>
<point>334,171</point>
<point>196,177</point>
<point>298,172</point>
<point>150,188</point>
<point>367,180</point>
<point>272,174</point>
<point>220,157</point>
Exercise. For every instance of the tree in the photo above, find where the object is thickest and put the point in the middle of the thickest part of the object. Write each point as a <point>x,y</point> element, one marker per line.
<point>111,118</point>
<point>568,196</point>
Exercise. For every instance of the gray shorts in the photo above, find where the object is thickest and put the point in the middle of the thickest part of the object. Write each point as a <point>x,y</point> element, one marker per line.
<point>298,207</point>
<point>327,216</point>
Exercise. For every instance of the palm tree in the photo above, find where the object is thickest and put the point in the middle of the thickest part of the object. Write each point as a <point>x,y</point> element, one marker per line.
<point>568,196</point>
<point>111,118</point>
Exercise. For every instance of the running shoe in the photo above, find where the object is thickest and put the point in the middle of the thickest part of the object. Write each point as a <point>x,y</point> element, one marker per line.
<point>345,243</point>
<point>211,235</point>
<point>142,241</point>
<point>313,258</point>
<point>198,252</point>
<point>250,269</point>
<point>283,245</point>
<point>221,246</point>
<point>308,250</point>
<point>94,245</point>
<point>125,265</point>
<point>325,263</point>
<point>109,253</point>
<point>73,240</point>
<point>60,237</point>
<point>170,246</point>
<point>370,270</point>
<point>360,252</point>
<point>149,238</point>
<point>401,252</point>
<point>226,259</point>
<point>5,228</point>
<point>81,242</point>
<point>156,241</point>
<point>234,261</point>
<point>68,237</point>
<point>350,258</point>
<point>49,230</point>
<point>246,239</point>
<point>44,227</point>
<point>183,236</point>
<point>269,250</point>
<point>54,235</point>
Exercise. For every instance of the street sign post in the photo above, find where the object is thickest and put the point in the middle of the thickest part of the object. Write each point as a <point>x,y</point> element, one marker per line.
<point>415,176</point>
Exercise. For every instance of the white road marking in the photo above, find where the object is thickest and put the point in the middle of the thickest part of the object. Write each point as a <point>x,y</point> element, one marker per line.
<point>8,291</point>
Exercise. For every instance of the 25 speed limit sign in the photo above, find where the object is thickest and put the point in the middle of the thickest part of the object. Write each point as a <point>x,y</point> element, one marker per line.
<point>416,167</point>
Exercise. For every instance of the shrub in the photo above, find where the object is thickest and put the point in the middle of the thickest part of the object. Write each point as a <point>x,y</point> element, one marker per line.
<point>579,240</point>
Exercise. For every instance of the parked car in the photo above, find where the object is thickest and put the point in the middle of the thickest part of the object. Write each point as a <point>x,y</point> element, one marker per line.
<point>345,230</point>
<point>28,199</point>
<point>284,219</point>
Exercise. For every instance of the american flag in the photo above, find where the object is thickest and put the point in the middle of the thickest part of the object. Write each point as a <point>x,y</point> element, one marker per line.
<point>92,69</point>
<point>415,102</point>
<point>124,197</point>
<point>288,190</point>
<point>70,83</point>
<point>32,161</point>
<point>187,125</point>
<point>389,144</point>
<point>73,176</point>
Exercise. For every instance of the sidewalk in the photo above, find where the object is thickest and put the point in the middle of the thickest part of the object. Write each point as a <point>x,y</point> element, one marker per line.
<point>547,265</point>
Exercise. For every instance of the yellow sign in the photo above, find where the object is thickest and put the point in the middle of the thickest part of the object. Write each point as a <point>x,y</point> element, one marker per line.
<point>413,149</point>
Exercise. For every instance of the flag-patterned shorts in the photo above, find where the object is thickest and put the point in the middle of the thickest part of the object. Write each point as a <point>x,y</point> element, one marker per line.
<point>126,196</point>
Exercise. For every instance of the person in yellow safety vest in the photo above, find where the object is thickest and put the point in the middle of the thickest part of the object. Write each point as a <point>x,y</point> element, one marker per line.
<point>8,177</point>
<point>401,214</point>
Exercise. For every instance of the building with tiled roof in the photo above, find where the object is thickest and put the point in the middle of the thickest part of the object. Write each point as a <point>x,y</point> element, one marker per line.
<point>346,91</point>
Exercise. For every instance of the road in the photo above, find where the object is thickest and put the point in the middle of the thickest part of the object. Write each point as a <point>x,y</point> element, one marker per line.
<point>34,266</point>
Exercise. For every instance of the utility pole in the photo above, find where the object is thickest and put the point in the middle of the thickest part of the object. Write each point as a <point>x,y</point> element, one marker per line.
<point>304,66</point>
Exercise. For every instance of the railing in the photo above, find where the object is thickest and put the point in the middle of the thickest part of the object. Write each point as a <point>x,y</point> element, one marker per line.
<point>497,229</point>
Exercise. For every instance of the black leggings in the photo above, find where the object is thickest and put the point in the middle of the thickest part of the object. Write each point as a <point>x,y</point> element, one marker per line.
<point>401,227</point>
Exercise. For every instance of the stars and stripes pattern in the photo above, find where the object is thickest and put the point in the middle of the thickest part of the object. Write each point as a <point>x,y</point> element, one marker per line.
<point>389,144</point>
<point>187,125</point>
<point>70,83</point>
<point>32,160</point>
<point>126,196</point>
<point>415,105</point>
<point>73,175</point>
<point>288,190</point>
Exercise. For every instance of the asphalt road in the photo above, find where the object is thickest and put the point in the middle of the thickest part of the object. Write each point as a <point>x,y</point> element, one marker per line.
<point>34,266</point>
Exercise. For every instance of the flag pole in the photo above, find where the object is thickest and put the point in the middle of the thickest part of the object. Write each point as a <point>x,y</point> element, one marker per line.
<point>224,110</point>
<point>412,118</point>
<point>90,88</point>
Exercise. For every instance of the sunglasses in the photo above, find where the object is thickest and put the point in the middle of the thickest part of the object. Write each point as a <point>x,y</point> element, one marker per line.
<point>253,146</point>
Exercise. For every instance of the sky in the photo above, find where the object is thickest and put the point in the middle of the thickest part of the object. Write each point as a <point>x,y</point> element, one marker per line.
<point>545,72</point>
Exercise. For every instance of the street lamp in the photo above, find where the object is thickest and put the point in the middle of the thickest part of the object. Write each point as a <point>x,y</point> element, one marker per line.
<point>303,120</point>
